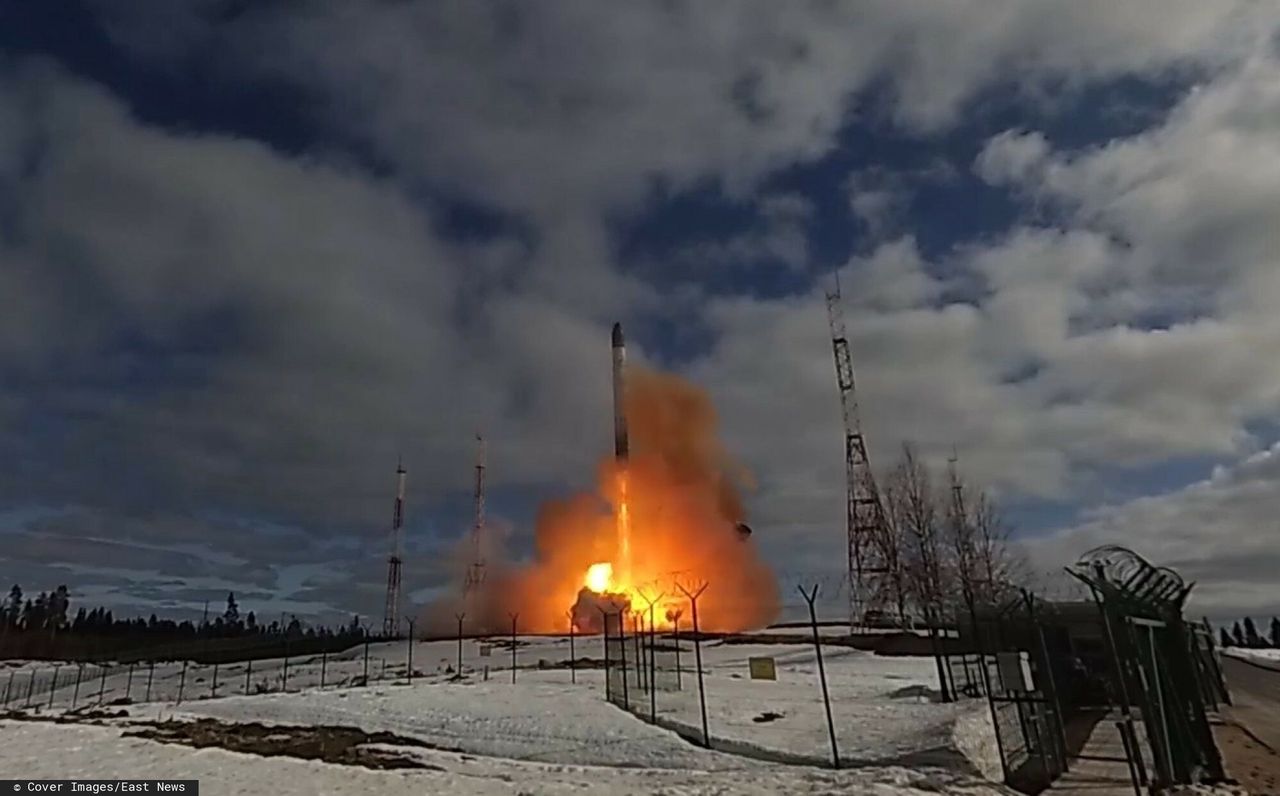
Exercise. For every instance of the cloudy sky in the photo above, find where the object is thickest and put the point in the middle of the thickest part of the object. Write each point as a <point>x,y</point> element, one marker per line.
<point>251,252</point>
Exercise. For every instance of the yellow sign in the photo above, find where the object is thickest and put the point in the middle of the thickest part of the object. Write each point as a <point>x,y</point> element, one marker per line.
<point>762,669</point>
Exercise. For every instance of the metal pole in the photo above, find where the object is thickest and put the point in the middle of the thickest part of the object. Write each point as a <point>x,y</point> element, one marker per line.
<point>460,618</point>
<point>697,653</point>
<point>8,687</point>
<point>151,670</point>
<point>573,668</point>
<point>248,673</point>
<point>622,636</point>
<point>74,694</point>
<point>604,619</point>
<point>635,635</point>
<point>182,682</point>
<point>514,617</point>
<point>213,687</point>
<point>102,685</point>
<point>31,687</point>
<point>324,665</point>
<point>53,686</point>
<point>822,674</point>
<point>679,686</point>
<point>128,685</point>
<point>409,656</point>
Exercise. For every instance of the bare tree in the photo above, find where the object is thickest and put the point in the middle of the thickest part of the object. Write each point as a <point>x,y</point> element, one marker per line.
<point>918,526</point>
<point>894,589</point>
<point>1001,567</point>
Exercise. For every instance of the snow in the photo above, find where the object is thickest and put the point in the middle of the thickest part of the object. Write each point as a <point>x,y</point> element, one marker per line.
<point>36,750</point>
<point>1263,655</point>
<point>882,710</point>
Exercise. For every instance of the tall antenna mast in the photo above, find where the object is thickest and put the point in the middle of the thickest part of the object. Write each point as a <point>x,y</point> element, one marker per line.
<point>475,573</point>
<point>391,616</point>
<point>865,523</point>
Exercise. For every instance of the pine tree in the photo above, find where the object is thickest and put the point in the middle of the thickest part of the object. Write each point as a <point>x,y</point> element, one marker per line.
<point>1275,632</point>
<point>1224,638</point>
<point>1251,637</point>
<point>232,615</point>
<point>1237,634</point>
<point>14,607</point>
<point>251,623</point>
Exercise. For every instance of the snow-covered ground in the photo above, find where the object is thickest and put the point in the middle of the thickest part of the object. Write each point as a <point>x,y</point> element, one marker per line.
<point>882,711</point>
<point>35,750</point>
<point>1266,655</point>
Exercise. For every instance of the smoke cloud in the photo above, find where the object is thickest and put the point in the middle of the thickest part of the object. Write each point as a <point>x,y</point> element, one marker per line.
<point>684,494</point>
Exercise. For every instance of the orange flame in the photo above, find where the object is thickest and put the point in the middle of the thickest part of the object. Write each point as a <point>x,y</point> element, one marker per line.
<point>670,518</point>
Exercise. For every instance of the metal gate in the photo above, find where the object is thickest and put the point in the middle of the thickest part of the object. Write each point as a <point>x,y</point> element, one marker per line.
<point>1162,665</point>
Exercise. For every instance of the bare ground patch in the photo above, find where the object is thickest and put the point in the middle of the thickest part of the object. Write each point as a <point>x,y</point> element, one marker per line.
<point>332,744</point>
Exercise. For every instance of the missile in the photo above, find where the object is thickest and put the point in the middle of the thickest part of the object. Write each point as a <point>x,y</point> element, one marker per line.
<point>620,443</point>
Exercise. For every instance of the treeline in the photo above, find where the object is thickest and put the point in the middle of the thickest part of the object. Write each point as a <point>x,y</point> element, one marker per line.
<point>39,629</point>
<point>1247,635</point>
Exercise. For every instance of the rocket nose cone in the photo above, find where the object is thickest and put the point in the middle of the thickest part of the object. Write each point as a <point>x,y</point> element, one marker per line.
<point>617,336</point>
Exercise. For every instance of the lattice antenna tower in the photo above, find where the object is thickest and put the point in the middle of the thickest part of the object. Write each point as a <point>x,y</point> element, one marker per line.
<point>475,572</point>
<point>391,615</point>
<point>865,522</point>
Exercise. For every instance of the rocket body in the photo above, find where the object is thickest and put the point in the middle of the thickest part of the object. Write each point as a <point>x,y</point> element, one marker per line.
<point>621,444</point>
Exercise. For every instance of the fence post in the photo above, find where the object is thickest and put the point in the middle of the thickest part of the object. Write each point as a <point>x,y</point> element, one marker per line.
<point>675,620</point>
<point>74,694</point>
<point>248,673</point>
<point>810,597</point>
<point>409,655</point>
<point>604,619</point>
<point>693,596</point>
<point>102,685</point>
<point>653,691</point>
<point>641,671</point>
<point>514,617</point>
<point>213,687</point>
<point>460,618</point>
<point>8,688</point>
<point>128,686</point>
<point>573,653</point>
<point>31,687</point>
<point>324,664</point>
<point>53,686</point>
<point>622,646</point>
<point>182,682</point>
<point>151,671</point>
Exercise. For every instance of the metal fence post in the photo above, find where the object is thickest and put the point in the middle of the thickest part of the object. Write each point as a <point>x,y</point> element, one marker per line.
<point>182,682</point>
<point>8,688</point>
<point>151,671</point>
<point>53,686</point>
<point>76,693</point>
<point>128,686</point>
<point>409,654</point>
<point>324,664</point>
<point>102,685</point>
<point>810,597</point>
<point>514,617</point>
<point>213,687</point>
<point>31,687</point>
<point>693,596</point>
<point>460,618</point>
